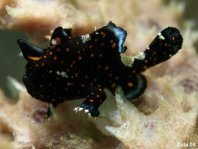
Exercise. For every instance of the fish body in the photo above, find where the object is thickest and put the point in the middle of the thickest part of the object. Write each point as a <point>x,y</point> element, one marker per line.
<point>73,67</point>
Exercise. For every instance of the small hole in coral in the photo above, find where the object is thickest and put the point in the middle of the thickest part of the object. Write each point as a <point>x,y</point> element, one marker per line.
<point>186,106</point>
<point>6,131</point>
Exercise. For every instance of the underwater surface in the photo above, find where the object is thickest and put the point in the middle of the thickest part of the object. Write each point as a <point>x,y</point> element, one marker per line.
<point>165,115</point>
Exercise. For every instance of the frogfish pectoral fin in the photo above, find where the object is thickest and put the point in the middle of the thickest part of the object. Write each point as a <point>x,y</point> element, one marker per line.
<point>30,51</point>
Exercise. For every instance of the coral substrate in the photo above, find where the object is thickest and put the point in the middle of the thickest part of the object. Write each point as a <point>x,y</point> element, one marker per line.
<point>165,116</point>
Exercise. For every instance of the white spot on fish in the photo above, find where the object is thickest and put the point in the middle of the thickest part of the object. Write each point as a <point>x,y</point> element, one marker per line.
<point>62,74</point>
<point>140,56</point>
<point>85,38</point>
<point>161,36</point>
<point>54,42</point>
